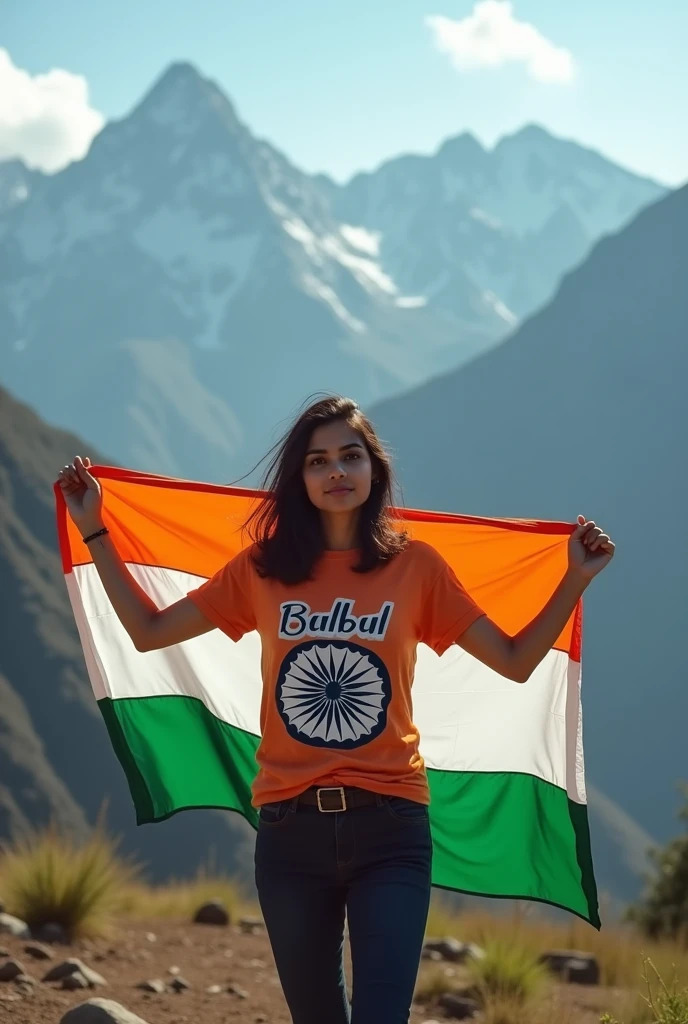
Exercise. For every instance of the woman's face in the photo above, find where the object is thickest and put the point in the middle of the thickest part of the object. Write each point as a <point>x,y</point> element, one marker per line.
<point>337,469</point>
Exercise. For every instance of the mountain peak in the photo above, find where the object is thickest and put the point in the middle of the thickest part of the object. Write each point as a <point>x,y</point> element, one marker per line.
<point>181,92</point>
<point>461,148</point>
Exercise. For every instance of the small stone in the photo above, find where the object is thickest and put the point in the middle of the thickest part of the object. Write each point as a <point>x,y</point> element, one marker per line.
<point>38,952</point>
<point>11,969</point>
<point>10,925</point>
<point>260,964</point>
<point>450,949</point>
<point>573,966</point>
<point>237,990</point>
<point>458,1007</point>
<point>179,984</point>
<point>214,990</point>
<point>51,932</point>
<point>100,1011</point>
<point>213,912</point>
<point>251,925</point>
<point>173,969</point>
<point>75,981</point>
<point>73,966</point>
<point>260,1018</point>
<point>151,937</point>
<point>156,985</point>
<point>4,952</point>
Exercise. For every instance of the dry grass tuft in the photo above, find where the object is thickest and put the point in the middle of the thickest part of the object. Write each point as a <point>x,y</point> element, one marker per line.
<point>47,877</point>
<point>508,972</point>
<point>181,898</point>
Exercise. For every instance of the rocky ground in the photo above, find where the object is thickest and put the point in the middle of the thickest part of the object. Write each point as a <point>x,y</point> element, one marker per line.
<point>224,975</point>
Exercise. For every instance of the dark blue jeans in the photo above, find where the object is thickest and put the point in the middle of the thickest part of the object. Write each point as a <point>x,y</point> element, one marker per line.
<point>369,863</point>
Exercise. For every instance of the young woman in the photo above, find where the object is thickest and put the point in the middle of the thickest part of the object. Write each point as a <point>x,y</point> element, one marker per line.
<point>340,599</point>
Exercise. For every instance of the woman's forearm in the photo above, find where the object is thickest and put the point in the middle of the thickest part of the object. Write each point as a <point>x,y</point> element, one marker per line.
<point>133,607</point>
<point>532,643</point>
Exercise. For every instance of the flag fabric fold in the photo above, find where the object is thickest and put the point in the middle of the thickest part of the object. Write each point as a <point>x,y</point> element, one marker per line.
<point>504,761</point>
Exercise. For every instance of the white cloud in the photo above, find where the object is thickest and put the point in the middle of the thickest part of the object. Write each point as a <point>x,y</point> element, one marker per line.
<point>491,36</point>
<point>45,120</point>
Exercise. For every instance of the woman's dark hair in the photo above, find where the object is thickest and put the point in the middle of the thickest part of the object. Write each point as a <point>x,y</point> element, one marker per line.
<point>286,527</point>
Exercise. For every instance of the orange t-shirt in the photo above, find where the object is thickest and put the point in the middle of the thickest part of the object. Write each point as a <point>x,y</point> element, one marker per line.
<point>338,658</point>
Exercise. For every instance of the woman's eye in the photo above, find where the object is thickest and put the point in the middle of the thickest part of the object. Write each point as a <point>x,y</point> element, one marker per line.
<point>353,455</point>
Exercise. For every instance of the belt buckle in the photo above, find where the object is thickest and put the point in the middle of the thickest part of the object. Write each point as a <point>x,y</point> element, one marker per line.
<point>331,789</point>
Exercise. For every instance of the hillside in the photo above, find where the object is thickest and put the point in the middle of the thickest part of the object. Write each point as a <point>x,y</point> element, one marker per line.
<point>55,757</point>
<point>583,409</point>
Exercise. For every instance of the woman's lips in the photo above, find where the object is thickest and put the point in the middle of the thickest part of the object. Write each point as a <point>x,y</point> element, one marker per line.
<point>339,490</point>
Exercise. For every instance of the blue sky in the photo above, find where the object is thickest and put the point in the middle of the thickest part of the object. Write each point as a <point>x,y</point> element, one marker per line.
<point>341,87</point>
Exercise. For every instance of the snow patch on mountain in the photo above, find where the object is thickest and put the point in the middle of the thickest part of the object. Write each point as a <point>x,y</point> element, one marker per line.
<point>323,291</point>
<point>362,239</point>
<point>485,218</point>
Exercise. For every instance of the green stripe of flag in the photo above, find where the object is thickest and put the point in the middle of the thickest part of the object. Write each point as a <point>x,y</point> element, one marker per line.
<point>177,755</point>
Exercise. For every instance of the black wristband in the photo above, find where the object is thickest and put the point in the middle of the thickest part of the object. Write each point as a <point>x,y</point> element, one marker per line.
<point>98,533</point>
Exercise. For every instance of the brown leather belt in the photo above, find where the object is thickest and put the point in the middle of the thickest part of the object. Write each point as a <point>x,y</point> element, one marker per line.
<point>337,798</point>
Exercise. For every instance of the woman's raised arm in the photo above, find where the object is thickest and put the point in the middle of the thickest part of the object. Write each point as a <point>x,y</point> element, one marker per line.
<point>516,657</point>
<point>149,627</point>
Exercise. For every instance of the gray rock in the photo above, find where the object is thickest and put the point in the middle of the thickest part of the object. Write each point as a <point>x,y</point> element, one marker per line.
<point>38,952</point>
<point>214,990</point>
<point>213,912</point>
<point>251,925</point>
<point>173,970</point>
<point>10,925</point>
<point>450,949</point>
<point>100,1011</point>
<point>75,981</point>
<point>237,990</point>
<point>572,965</point>
<point>73,966</point>
<point>11,969</point>
<point>458,1007</point>
<point>51,932</point>
<point>156,985</point>
<point>179,984</point>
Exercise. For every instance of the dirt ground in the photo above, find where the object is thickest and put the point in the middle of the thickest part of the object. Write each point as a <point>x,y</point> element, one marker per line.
<point>203,955</point>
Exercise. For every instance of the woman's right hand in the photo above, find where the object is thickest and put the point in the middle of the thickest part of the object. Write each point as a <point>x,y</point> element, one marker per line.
<point>82,494</point>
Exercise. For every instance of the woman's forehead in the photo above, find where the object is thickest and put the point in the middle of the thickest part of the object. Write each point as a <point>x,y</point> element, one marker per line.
<point>334,436</point>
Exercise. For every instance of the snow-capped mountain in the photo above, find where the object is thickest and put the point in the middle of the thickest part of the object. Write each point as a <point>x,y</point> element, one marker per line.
<point>180,289</point>
<point>508,222</point>
<point>175,294</point>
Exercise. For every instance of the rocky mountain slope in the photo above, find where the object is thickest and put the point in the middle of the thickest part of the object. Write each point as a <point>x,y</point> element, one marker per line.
<point>55,757</point>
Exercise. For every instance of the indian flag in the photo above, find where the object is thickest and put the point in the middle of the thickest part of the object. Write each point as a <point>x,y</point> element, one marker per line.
<point>504,761</point>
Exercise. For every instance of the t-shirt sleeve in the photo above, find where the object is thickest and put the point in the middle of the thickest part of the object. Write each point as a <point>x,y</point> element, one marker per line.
<point>227,598</point>
<point>448,610</point>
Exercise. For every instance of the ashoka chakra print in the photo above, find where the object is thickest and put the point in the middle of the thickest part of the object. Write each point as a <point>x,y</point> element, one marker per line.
<point>333,694</point>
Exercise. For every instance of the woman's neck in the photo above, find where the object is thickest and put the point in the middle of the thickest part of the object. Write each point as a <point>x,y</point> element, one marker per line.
<point>341,531</point>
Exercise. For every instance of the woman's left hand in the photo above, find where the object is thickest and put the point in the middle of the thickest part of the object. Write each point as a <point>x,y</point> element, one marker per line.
<point>590,549</point>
